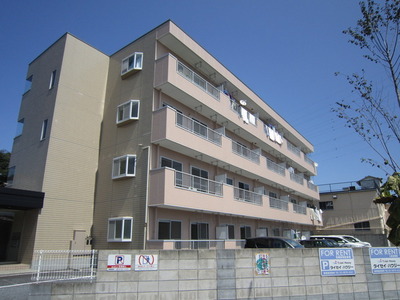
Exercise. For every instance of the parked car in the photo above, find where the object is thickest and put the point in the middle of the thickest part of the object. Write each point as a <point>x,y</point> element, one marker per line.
<point>355,240</point>
<point>272,242</point>
<point>339,239</point>
<point>319,243</point>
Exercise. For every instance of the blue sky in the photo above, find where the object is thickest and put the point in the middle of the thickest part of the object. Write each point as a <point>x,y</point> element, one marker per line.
<point>286,51</point>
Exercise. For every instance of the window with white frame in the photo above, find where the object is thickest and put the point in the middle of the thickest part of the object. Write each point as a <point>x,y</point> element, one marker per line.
<point>52,79</point>
<point>43,132</point>
<point>128,111</point>
<point>124,166</point>
<point>20,127</point>
<point>169,230</point>
<point>132,62</point>
<point>120,229</point>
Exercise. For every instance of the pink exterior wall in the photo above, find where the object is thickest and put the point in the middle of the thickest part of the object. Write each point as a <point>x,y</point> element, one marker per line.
<point>163,193</point>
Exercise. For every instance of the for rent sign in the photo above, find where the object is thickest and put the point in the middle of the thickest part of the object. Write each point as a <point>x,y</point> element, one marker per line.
<point>336,262</point>
<point>384,260</point>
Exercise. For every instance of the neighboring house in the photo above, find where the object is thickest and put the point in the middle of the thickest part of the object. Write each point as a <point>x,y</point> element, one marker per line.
<point>156,146</point>
<point>348,208</point>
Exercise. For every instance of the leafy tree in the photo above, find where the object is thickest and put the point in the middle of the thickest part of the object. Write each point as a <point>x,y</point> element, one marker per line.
<point>4,160</point>
<point>390,194</point>
<point>374,114</point>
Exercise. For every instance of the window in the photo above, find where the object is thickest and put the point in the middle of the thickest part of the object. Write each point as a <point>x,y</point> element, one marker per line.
<point>44,130</point>
<point>166,162</point>
<point>362,226</point>
<point>10,175</point>
<point>200,181</point>
<point>276,232</point>
<point>169,230</point>
<point>120,229</point>
<point>28,84</point>
<point>229,181</point>
<point>52,79</point>
<point>20,127</point>
<point>124,166</point>
<point>132,62</point>
<point>231,232</point>
<point>245,232</point>
<point>128,111</point>
<point>273,195</point>
<point>244,189</point>
<point>326,205</point>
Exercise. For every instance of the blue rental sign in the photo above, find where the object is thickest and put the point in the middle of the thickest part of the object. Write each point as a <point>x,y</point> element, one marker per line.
<point>384,260</point>
<point>336,262</point>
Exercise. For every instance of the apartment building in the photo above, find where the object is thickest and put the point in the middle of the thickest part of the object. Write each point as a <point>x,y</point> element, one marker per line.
<point>157,146</point>
<point>348,209</point>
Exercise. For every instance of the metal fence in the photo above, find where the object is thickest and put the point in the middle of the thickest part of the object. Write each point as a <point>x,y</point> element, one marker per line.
<point>64,265</point>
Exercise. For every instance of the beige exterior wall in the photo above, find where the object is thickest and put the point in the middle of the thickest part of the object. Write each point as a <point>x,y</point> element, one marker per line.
<point>126,196</point>
<point>355,206</point>
<point>64,164</point>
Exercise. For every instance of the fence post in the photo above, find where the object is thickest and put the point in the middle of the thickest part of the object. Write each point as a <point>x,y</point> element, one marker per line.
<point>92,260</point>
<point>39,265</point>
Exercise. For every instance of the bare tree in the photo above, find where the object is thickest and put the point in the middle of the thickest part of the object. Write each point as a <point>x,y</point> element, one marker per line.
<point>374,114</point>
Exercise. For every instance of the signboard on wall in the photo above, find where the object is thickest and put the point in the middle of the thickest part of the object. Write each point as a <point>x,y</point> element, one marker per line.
<point>119,262</point>
<point>336,262</point>
<point>146,262</point>
<point>384,260</point>
<point>262,264</point>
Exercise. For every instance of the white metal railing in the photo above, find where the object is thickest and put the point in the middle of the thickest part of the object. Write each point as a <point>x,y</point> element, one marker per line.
<point>197,80</point>
<point>293,148</point>
<point>245,152</point>
<point>197,128</point>
<point>299,209</point>
<point>247,196</point>
<point>278,203</point>
<point>297,178</point>
<point>198,184</point>
<point>275,167</point>
<point>64,265</point>
<point>312,186</point>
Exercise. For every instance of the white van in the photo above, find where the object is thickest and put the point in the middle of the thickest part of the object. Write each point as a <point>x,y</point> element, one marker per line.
<point>343,242</point>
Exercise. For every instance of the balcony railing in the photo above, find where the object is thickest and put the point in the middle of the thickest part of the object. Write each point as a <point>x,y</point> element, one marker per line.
<point>312,186</point>
<point>198,184</point>
<point>275,167</point>
<point>197,80</point>
<point>297,178</point>
<point>196,244</point>
<point>309,161</point>
<point>247,196</point>
<point>197,128</point>
<point>299,209</point>
<point>245,152</point>
<point>278,203</point>
<point>293,148</point>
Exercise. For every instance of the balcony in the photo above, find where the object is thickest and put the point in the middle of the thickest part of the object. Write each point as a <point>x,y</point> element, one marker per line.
<point>197,80</point>
<point>174,131</point>
<point>197,128</point>
<point>177,190</point>
<point>175,79</point>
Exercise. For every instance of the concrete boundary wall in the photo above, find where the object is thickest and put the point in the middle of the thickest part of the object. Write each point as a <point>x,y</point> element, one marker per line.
<point>226,274</point>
